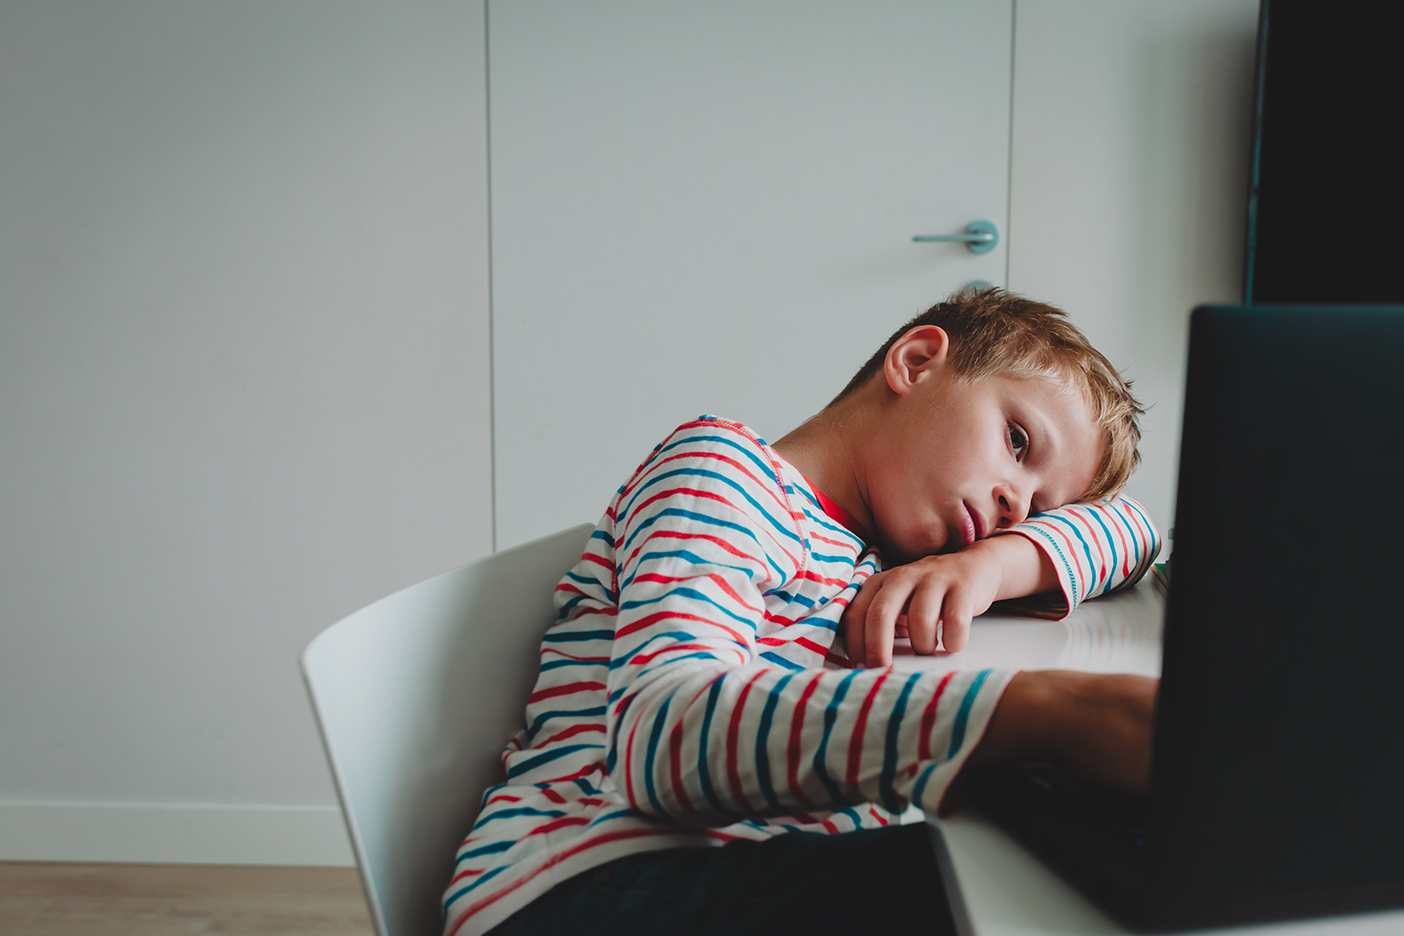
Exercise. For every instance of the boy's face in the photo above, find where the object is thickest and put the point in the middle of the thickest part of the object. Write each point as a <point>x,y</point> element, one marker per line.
<point>972,457</point>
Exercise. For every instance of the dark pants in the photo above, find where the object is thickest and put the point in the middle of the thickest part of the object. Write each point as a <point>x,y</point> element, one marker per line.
<point>799,882</point>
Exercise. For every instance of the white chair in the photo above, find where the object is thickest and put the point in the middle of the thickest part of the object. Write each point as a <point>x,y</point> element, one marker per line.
<point>415,697</point>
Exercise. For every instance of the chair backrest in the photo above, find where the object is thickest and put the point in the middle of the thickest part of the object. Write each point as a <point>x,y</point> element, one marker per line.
<point>415,697</point>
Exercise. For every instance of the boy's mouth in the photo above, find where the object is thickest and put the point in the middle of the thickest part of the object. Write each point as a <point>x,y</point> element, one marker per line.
<point>969,524</point>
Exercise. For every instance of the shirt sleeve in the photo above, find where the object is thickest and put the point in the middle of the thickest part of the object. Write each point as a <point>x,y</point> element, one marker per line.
<point>1095,549</point>
<point>700,727</point>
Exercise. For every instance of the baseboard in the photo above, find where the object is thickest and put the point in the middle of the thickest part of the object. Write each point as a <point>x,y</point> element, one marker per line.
<point>173,833</point>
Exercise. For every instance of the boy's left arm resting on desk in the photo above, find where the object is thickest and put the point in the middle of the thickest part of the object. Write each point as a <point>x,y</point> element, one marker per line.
<point>1094,549</point>
<point>1059,559</point>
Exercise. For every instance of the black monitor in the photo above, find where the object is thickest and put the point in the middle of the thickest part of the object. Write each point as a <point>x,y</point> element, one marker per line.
<point>1278,759</point>
<point>1326,195</point>
<point>1278,749</point>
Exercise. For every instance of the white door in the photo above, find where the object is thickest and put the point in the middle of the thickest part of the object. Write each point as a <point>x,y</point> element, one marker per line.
<point>708,207</point>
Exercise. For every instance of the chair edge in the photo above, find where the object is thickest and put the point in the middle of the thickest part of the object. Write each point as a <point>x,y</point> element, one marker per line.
<point>358,851</point>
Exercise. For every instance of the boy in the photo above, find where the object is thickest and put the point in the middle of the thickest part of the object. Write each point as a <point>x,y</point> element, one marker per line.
<point>684,698</point>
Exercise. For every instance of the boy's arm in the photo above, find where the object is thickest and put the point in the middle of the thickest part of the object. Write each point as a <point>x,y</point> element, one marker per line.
<point>1096,725</point>
<point>1093,549</point>
<point>705,723</point>
<point>1058,559</point>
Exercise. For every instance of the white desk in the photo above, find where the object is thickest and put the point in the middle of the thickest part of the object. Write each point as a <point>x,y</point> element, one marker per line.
<point>996,887</point>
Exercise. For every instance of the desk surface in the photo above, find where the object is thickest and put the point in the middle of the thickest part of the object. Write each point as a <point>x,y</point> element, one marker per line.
<point>999,889</point>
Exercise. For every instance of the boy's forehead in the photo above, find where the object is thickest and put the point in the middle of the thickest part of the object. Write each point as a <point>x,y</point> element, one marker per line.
<point>1049,389</point>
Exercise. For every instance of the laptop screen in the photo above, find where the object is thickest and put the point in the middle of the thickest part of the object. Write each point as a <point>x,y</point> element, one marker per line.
<point>1279,741</point>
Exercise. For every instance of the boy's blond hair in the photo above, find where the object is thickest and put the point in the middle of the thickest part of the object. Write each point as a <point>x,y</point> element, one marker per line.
<point>994,333</point>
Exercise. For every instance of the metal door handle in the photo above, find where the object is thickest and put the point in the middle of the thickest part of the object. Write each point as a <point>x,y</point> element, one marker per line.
<point>979,237</point>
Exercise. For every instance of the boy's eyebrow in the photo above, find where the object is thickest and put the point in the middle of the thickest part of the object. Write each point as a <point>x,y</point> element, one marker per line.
<point>1049,445</point>
<point>1037,423</point>
<point>1053,445</point>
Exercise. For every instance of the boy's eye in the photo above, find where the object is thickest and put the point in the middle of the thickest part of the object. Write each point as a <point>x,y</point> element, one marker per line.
<point>1018,441</point>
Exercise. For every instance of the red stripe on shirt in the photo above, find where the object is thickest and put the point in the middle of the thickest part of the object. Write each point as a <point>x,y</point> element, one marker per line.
<point>705,537</point>
<point>675,742</point>
<point>567,689</point>
<point>855,740</point>
<point>928,719</point>
<point>796,737</point>
<point>733,731</point>
<point>651,619</point>
<point>718,580</point>
<point>568,733</point>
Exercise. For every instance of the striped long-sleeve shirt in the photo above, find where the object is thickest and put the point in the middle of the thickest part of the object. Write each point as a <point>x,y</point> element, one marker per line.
<point>684,700</point>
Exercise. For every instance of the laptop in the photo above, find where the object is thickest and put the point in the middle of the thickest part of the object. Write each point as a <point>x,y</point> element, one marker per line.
<point>1277,776</point>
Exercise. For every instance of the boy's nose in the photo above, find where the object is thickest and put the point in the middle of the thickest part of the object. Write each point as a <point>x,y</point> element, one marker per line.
<point>1013,507</point>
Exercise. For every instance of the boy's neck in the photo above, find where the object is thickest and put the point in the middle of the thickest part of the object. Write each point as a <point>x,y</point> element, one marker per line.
<point>827,449</point>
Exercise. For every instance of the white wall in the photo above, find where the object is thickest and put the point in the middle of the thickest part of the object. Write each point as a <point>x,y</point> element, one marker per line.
<point>243,357</point>
<point>243,392</point>
<point>1128,184</point>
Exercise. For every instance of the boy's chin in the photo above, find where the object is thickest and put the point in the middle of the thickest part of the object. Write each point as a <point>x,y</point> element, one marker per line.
<point>895,555</point>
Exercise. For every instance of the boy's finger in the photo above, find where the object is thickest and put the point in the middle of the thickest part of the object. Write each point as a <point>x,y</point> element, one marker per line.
<point>955,622</point>
<point>858,606</point>
<point>878,634</point>
<point>923,612</point>
<point>853,641</point>
<point>880,623</point>
<point>852,621</point>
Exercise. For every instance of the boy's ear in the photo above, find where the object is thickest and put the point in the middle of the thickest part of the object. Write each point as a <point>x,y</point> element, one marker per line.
<point>916,356</point>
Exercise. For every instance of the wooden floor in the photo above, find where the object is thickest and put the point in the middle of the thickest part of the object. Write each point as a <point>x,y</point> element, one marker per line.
<point>52,898</point>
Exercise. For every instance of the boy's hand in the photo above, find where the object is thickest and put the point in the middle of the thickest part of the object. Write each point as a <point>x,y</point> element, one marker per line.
<point>948,590</point>
<point>1095,725</point>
